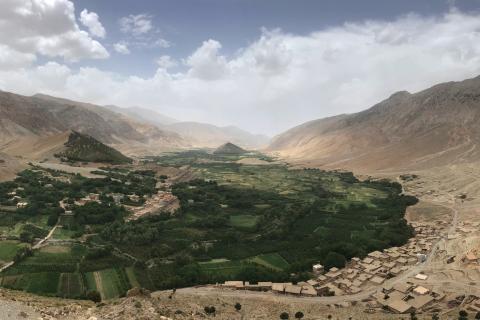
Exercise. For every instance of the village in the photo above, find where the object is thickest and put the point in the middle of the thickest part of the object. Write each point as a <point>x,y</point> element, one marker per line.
<point>389,281</point>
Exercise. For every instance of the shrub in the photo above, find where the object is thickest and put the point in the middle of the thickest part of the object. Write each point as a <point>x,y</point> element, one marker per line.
<point>299,315</point>
<point>238,306</point>
<point>284,316</point>
<point>94,296</point>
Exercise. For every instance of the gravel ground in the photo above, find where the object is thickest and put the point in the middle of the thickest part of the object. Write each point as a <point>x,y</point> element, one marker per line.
<point>12,310</point>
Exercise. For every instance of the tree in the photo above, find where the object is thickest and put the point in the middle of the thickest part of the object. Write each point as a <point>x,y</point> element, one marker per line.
<point>462,315</point>
<point>26,236</point>
<point>284,316</point>
<point>299,315</point>
<point>477,316</point>
<point>238,306</point>
<point>413,316</point>
<point>94,296</point>
<point>435,317</point>
<point>334,259</point>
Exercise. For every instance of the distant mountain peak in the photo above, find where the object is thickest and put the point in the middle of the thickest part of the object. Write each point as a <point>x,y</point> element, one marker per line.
<point>82,147</point>
<point>229,148</point>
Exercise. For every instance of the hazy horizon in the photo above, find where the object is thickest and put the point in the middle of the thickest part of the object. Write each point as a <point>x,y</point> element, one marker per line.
<point>261,66</point>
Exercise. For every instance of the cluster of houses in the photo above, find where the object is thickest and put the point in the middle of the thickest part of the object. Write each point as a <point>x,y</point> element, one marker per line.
<point>369,272</point>
<point>405,297</point>
<point>91,197</point>
<point>162,201</point>
<point>17,199</point>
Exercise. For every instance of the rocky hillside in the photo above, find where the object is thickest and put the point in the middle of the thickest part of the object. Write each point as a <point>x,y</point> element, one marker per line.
<point>144,115</point>
<point>26,121</point>
<point>433,127</point>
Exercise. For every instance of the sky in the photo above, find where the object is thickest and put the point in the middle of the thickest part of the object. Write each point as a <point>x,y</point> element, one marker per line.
<point>262,65</point>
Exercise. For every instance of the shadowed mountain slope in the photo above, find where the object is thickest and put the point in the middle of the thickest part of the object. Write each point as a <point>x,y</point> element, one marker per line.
<point>229,148</point>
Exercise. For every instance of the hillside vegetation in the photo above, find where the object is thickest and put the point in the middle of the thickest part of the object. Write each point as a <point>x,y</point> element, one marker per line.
<point>229,149</point>
<point>81,147</point>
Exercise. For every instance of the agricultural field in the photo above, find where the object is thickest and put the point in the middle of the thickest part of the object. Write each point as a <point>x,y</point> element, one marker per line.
<point>241,217</point>
<point>8,249</point>
<point>59,270</point>
<point>245,220</point>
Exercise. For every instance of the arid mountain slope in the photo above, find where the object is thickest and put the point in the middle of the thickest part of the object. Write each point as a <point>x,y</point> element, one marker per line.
<point>144,115</point>
<point>210,136</point>
<point>26,122</point>
<point>434,127</point>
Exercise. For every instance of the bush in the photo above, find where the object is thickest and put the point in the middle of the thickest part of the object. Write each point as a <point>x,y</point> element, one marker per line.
<point>334,259</point>
<point>238,306</point>
<point>94,296</point>
<point>299,315</point>
<point>284,316</point>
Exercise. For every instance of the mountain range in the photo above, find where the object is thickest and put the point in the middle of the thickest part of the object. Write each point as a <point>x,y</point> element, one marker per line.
<point>406,131</point>
<point>202,135</point>
<point>36,127</point>
<point>434,127</point>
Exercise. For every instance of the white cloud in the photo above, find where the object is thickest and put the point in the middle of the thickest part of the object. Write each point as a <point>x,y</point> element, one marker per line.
<point>136,24</point>
<point>92,22</point>
<point>162,43</point>
<point>121,47</point>
<point>166,62</point>
<point>283,79</point>
<point>206,62</point>
<point>46,27</point>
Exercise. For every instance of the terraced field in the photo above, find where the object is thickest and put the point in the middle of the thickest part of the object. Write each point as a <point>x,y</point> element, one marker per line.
<point>8,249</point>
<point>272,260</point>
<point>71,285</point>
<point>54,271</point>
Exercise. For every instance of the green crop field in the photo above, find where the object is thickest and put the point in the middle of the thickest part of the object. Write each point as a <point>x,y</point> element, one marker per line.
<point>272,261</point>
<point>243,221</point>
<point>45,283</point>
<point>114,283</point>
<point>71,285</point>
<point>8,249</point>
<point>132,278</point>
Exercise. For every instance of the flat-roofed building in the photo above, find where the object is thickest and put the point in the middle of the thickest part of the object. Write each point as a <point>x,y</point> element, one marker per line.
<point>233,284</point>
<point>309,291</point>
<point>367,260</point>
<point>421,290</point>
<point>377,280</point>
<point>419,302</point>
<point>399,306</point>
<point>402,287</point>
<point>421,276</point>
<point>293,289</point>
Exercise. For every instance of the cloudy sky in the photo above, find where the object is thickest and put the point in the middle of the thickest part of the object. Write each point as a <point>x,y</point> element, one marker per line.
<point>264,65</point>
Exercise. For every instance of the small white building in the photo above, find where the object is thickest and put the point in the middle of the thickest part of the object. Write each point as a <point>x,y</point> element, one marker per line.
<point>22,205</point>
<point>318,269</point>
